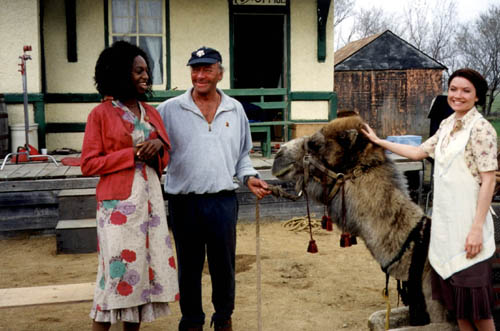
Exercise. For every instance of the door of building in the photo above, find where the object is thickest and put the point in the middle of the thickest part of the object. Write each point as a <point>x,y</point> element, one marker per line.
<point>259,57</point>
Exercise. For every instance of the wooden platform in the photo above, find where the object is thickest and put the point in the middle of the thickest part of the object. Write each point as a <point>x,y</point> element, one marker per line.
<point>76,236</point>
<point>38,170</point>
<point>43,176</point>
<point>46,176</point>
<point>50,295</point>
<point>42,295</point>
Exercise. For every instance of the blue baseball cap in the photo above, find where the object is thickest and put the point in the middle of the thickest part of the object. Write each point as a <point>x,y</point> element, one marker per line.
<point>204,55</point>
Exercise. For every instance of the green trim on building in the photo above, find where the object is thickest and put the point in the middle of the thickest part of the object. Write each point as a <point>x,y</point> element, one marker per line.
<point>71,44</point>
<point>331,97</point>
<point>323,8</point>
<point>39,117</point>
<point>254,91</point>
<point>72,97</point>
<point>106,23</point>
<point>311,96</point>
<point>67,127</point>
<point>39,101</point>
<point>43,69</point>
<point>19,97</point>
<point>160,96</point>
<point>333,107</point>
<point>168,75</point>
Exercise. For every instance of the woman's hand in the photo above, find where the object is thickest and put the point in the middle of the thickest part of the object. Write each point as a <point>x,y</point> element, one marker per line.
<point>148,149</point>
<point>411,152</point>
<point>474,241</point>
<point>370,134</point>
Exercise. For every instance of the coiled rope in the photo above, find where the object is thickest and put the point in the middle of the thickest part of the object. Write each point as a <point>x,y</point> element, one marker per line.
<point>301,223</point>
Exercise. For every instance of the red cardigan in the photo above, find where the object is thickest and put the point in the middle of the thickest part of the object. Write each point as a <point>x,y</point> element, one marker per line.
<point>108,151</point>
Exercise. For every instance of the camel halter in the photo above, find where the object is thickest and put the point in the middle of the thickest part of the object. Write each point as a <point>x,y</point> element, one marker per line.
<point>346,239</point>
<point>309,160</point>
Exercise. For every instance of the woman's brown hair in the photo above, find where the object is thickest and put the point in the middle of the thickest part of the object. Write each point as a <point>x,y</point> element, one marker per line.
<point>476,79</point>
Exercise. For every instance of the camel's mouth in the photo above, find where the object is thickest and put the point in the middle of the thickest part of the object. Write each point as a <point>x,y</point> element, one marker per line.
<point>282,171</point>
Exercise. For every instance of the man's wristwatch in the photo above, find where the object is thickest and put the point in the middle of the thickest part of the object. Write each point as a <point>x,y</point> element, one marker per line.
<point>246,178</point>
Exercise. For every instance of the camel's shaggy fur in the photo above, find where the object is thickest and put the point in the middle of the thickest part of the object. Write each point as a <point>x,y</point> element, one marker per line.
<point>378,207</point>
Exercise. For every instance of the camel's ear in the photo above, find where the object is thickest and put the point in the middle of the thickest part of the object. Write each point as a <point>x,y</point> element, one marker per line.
<point>347,138</point>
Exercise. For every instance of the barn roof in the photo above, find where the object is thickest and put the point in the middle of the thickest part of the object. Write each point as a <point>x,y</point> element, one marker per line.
<point>382,51</point>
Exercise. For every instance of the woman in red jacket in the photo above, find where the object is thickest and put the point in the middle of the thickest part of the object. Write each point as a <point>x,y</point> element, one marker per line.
<point>126,144</point>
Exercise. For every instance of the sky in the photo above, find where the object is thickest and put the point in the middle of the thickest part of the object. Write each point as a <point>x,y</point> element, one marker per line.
<point>467,9</point>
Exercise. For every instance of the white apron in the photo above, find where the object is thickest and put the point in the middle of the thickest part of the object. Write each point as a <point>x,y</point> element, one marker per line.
<point>454,207</point>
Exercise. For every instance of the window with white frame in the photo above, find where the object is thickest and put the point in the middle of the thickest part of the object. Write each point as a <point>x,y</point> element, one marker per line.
<point>141,22</point>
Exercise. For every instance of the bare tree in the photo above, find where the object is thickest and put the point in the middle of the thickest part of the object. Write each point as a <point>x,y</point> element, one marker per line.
<point>417,24</point>
<point>368,22</point>
<point>371,21</point>
<point>431,28</point>
<point>342,9</point>
<point>479,44</point>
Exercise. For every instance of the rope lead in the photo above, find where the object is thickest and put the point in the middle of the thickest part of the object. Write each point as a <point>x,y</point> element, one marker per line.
<point>257,257</point>
<point>385,294</point>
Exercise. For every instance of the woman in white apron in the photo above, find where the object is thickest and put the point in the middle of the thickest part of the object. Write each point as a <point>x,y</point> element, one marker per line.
<point>462,237</point>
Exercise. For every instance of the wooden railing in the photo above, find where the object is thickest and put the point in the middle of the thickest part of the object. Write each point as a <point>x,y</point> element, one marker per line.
<point>260,97</point>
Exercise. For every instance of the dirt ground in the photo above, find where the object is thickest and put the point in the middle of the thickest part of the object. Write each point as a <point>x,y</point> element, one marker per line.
<point>335,289</point>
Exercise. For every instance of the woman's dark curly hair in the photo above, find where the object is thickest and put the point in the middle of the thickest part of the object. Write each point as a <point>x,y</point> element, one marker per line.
<point>113,71</point>
<point>476,79</point>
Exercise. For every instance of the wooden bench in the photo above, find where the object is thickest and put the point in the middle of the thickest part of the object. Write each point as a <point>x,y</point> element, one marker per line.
<point>265,142</point>
<point>265,127</point>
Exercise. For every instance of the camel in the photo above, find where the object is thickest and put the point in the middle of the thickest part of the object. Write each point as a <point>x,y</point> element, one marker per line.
<point>377,206</point>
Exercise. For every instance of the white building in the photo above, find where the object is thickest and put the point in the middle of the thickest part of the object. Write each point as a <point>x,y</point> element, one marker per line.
<point>278,54</point>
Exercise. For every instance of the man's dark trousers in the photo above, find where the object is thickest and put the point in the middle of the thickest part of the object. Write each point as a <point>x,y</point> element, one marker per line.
<point>205,223</point>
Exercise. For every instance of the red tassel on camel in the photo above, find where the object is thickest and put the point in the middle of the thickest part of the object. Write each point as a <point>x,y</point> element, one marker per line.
<point>324,221</point>
<point>312,248</point>
<point>345,240</point>
<point>329,224</point>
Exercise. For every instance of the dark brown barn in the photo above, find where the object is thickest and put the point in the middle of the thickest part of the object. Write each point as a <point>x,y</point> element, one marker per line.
<point>389,82</point>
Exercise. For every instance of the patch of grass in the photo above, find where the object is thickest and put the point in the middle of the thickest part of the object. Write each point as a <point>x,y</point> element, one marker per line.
<point>496,124</point>
<point>495,107</point>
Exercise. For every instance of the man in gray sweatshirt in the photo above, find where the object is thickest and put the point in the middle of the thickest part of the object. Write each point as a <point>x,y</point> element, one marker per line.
<point>211,141</point>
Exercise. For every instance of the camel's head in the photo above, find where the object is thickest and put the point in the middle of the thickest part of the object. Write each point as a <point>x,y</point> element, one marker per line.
<point>340,146</point>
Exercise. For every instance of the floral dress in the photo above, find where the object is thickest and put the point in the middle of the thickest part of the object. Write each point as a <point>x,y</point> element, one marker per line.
<point>136,276</point>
